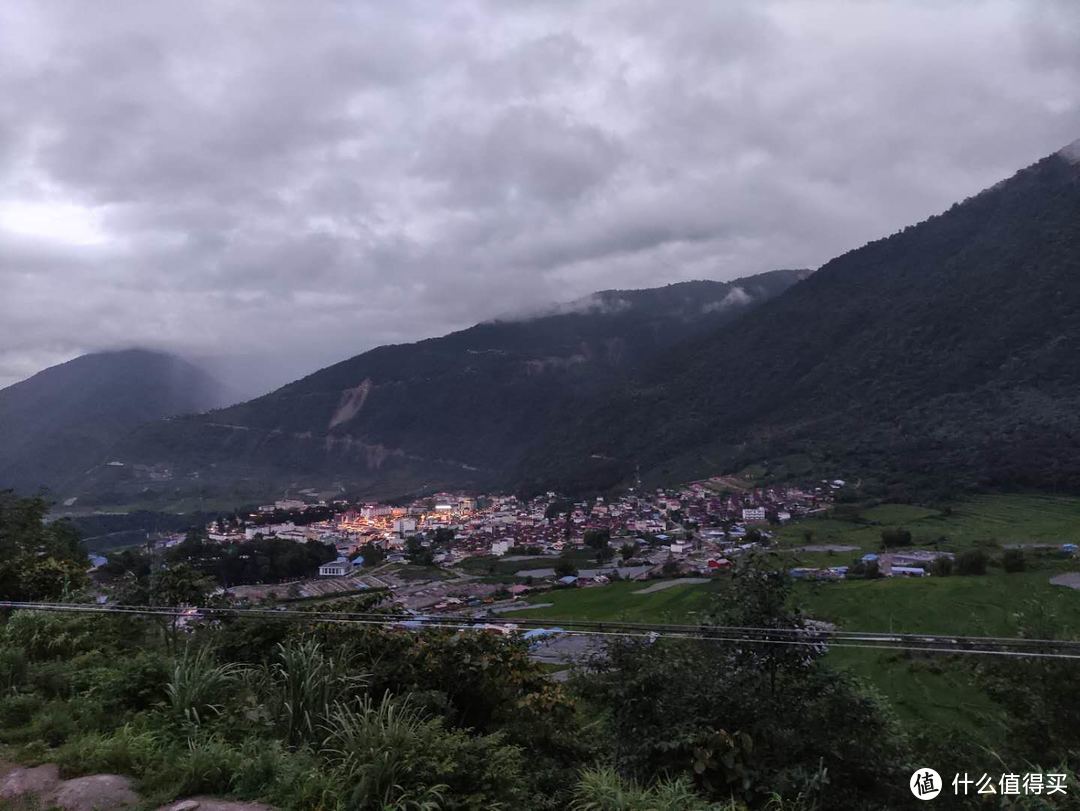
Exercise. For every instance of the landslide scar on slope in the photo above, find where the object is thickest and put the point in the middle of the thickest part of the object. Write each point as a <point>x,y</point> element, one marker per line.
<point>352,400</point>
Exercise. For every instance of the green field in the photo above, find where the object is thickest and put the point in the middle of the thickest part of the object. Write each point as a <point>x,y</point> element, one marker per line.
<point>937,690</point>
<point>989,605</point>
<point>582,557</point>
<point>940,690</point>
<point>618,601</point>
<point>926,691</point>
<point>996,519</point>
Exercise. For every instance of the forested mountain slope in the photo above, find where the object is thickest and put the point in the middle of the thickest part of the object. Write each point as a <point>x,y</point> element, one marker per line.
<point>61,421</point>
<point>948,352</point>
<point>459,410</point>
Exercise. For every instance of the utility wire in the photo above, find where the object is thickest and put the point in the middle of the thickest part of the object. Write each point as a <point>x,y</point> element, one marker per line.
<point>804,637</point>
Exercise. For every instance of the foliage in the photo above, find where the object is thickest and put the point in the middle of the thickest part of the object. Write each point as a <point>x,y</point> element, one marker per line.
<point>942,566</point>
<point>391,756</point>
<point>1012,560</point>
<point>199,686</point>
<point>597,539</point>
<point>895,537</point>
<point>972,562</point>
<point>260,560</point>
<point>748,719</point>
<point>565,567</point>
<point>1042,696</point>
<point>373,554</point>
<point>418,554</point>
<point>38,561</point>
<point>602,789</point>
<point>303,683</point>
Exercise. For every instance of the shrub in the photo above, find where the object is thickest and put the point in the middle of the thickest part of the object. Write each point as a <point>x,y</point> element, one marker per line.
<point>205,765</point>
<point>135,683</point>
<point>13,668</point>
<point>289,779</point>
<point>1012,560</point>
<point>895,537</point>
<point>127,751</point>
<point>51,636</point>
<point>305,681</point>
<point>605,790</point>
<point>971,562</point>
<point>54,724</point>
<point>53,679</point>
<point>199,686</point>
<point>942,566</point>
<point>18,709</point>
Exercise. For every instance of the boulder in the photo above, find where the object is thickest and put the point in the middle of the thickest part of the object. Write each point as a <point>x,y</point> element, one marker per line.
<point>96,792</point>
<point>20,781</point>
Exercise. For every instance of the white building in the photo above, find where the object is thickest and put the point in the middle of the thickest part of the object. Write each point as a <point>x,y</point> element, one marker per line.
<point>403,526</point>
<point>501,547</point>
<point>335,568</point>
<point>753,514</point>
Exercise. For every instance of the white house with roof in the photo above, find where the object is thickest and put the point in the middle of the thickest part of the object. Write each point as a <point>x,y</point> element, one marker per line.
<point>335,568</point>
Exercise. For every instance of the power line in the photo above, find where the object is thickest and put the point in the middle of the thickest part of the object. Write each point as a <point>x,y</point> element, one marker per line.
<point>1018,647</point>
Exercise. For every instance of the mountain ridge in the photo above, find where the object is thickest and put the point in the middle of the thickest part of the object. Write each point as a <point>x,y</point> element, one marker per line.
<point>61,420</point>
<point>949,344</point>
<point>455,410</point>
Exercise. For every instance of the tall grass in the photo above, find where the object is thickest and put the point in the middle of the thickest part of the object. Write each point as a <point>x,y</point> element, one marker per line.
<point>370,745</point>
<point>305,683</point>
<point>602,789</point>
<point>199,686</point>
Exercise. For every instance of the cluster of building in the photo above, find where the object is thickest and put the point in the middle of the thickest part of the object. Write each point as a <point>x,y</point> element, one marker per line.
<point>687,529</point>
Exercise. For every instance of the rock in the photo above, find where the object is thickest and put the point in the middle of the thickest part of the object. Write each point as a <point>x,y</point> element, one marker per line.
<point>210,804</point>
<point>97,792</point>
<point>21,781</point>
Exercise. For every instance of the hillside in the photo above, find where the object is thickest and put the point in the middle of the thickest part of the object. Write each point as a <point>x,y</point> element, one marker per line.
<point>947,354</point>
<point>459,410</point>
<point>61,421</point>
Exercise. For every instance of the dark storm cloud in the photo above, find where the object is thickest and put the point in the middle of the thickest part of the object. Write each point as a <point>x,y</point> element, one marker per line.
<point>291,183</point>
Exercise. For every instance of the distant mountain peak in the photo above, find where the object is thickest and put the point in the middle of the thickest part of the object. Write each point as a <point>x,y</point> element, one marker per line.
<point>61,421</point>
<point>1071,152</point>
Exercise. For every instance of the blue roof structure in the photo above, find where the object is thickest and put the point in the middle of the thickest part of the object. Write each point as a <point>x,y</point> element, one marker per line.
<point>537,633</point>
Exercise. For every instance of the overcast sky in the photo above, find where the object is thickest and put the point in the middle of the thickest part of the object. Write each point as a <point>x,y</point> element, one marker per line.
<point>292,183</point>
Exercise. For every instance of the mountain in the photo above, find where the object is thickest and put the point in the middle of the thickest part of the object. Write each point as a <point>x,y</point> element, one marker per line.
<point>459,410</point>
<point>60,422</point>
<point>947,354</point>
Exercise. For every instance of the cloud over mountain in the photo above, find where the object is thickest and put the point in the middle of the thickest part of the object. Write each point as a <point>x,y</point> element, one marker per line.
<point>299,182</point>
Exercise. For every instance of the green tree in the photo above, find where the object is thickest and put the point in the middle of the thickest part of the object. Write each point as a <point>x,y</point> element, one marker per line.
<point>418,554</point>
<point>971,562</point>
<point>597,538</point>
<point>891,538</point>
<point>1040,695</point>
<point>709,711</point>
<point>38,560</point>
<point>564,567</point>
<point>942,566</point>
<point>1012,560</point>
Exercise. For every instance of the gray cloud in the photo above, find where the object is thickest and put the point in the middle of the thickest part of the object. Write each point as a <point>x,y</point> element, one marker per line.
<point>287,184</point>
